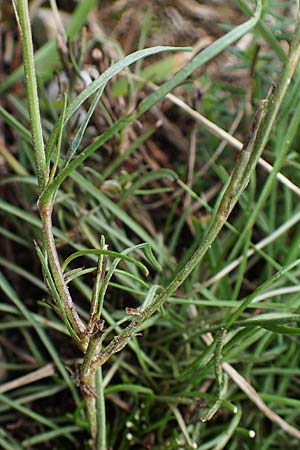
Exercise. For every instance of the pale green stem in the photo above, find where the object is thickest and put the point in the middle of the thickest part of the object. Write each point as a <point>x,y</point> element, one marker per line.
<point>245,165</point>
<point>40,159</point>
<point>32,94</point>
<point>61,286</point>
<point>228,201</point>
<point>90,403</point>
<point>101,416</point>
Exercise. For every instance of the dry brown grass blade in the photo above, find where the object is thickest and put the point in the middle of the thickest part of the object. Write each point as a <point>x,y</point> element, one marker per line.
<point>256,399</point>
<point>39,374</point>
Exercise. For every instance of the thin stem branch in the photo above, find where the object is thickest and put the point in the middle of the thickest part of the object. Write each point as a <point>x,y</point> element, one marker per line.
<point>32,95</point>
<point>61,286</point>
<point>245,165</point>
<point>101,415</point>
<point>229,199</point>
<point>42,172</point>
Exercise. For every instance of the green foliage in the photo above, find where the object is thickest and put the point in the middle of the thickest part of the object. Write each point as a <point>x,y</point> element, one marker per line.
<point>166,360</point>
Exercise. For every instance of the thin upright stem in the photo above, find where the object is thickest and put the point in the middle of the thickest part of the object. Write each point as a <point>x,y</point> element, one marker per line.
<point>32,94</point>
<point>245,165</point>
<point>61,286</point>
<point>237,183</point>
<point>101,415</point>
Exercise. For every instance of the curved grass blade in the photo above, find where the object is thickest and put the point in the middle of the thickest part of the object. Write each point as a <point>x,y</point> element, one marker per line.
<point>112,71</point>
<point>236,314</point>
<point>27,412</point>
<point>130,276</point>
<point>281,329</point>
<point>94,251</point>
<point>264,31</point>
<point>110,273</point>
<point>268,319</point>
<point>49,435</point>
<point>51,143</point>
<point>80,133</point>
<point>148,178</point>
<point>15,124</point>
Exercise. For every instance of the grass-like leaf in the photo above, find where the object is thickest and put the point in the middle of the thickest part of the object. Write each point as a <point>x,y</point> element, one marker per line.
<point>110,253</point>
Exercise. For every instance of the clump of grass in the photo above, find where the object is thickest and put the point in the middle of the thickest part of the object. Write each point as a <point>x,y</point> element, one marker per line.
<point>205,349</point>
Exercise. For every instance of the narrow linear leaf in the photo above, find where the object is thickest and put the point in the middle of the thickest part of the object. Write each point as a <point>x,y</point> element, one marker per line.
<point>112,71</point>
<point>151,258</point>
<point>101,82</point>
<point>218,358</point>
<point>107,253</point>
<point>51,144</point>
<point>148,178</point>
<point>130,276</point>
<point>264,286</point>
<point>53,291</point>
<point>80,133</point>
<point>78,272</point>
<point>131,388</point>
<point>264,30</point>
<point>49,435</point>
<point>27,412</point>
<point>281,329</point>
<point>15,124</point>
<point>268,319</point>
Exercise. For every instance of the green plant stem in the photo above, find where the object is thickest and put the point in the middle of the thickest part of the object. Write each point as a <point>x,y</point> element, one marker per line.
<point>238,178</point>
<point>266,191</point>
<point>32,95</point>
<point>93,393</point>
<point>89,394</point>
<point>280,91</point>
<point>101,267</point>
<point>88,387</point>
<point>42,173</point>
<point>95,409</point>
<point>245,165</point>
<point>101,415</point>
<point>62,289</point>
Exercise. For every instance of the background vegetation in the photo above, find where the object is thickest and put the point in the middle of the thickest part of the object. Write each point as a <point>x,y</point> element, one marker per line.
<point>217,366</point>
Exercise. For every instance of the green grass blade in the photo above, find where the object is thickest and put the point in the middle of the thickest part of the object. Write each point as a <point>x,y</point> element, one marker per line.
<point>80,133</point>
<point>112,71</point>
<point>51,143</point>
<point>49,435</point>
<point>27,412</point>
<point>148,178</point>
<point>94,251</point>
